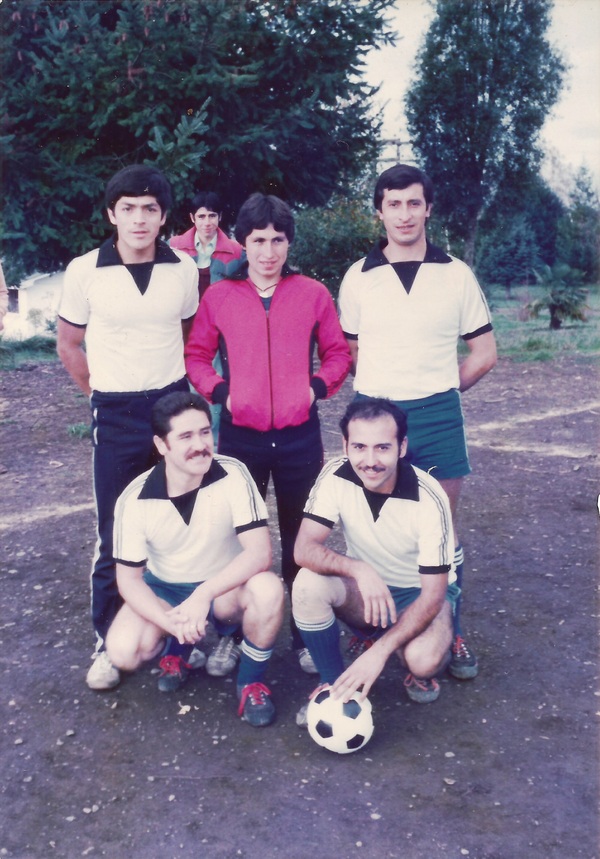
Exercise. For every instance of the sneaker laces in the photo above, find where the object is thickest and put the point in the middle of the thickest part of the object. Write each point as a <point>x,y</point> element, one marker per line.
<point>460,648</point>
<point>224,648</point>
<point>170,665</point>
<point>424,684</point>
<point>257,692</point>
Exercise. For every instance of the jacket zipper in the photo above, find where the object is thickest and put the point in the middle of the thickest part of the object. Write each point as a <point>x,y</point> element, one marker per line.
<point>270,372</point>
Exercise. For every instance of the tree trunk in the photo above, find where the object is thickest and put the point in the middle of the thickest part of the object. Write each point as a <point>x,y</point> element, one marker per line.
<point>471,240</point>
<point>555,320</point>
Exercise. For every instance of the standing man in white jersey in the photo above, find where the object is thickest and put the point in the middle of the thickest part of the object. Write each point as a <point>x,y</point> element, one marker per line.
<point>403,309</point>
<point>131,302</point>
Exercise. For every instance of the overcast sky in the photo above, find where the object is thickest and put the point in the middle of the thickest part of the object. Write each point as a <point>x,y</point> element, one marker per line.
<point>573,129</point>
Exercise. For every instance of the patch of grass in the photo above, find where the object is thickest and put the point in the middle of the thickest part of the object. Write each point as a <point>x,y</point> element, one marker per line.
<point>80,430</point>
<point>15,353</point>
<point>525,339</point>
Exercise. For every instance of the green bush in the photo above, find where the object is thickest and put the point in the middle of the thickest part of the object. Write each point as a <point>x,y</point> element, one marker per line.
<point>13,353</point>
<point>328,240</point>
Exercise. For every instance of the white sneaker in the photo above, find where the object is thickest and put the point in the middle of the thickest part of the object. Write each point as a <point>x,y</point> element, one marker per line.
<point>301,719</point>
<point>224,657</point>
<point>306,661</point>
<point>197,659</point>
<point>102,673</point>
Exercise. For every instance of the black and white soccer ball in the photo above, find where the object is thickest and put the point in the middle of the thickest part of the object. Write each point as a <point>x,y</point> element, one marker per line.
<point>338,726</point>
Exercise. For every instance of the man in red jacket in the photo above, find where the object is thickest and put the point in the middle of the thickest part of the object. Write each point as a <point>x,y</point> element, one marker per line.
<point>216,255</point>
<point>266,322</point>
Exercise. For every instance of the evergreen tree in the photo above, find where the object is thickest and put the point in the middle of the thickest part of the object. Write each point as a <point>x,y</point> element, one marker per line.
<point>509,255</point>
<point>234,95</point>
<point>486,79</point>
<point>519,233</point>
<point>579,229</point>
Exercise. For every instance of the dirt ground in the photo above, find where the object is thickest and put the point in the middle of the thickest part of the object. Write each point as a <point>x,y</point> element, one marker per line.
<point>502,767</point>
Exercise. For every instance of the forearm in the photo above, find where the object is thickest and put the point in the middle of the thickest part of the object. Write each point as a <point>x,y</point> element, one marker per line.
<point>200,349</point>
<point>200,370</point>
<point>471,371</point>
<point>481,359</point>
<point>323,560</point>
<point>76,364</point>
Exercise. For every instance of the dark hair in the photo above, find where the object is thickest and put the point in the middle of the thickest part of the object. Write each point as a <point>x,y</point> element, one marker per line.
<point>175,404</point>
<point>259,211</point>
<point>371,408</point>
<point>138,180</point>
<point>397,178</point>
<point>205,200</point>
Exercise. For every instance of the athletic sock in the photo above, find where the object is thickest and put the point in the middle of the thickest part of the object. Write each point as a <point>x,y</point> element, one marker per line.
<point>174,648</point>
<point>459,562</point>
<point>323,641</point>
<point>253,663</point>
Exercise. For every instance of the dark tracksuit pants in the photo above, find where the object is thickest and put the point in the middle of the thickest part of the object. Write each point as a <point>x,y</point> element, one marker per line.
<point>122,449</point>
<point>293,457</point>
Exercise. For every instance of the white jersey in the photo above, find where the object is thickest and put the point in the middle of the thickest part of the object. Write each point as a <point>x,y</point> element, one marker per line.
<point>407,341</point>
<point>133,341</point>
<point>151,531</point>
<point>408,535</point>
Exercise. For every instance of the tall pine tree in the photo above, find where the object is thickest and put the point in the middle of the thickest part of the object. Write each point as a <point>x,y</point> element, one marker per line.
<point>486,79</point>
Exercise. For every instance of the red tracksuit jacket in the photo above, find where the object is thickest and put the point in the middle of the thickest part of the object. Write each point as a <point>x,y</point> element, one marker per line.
<point>267,358</point>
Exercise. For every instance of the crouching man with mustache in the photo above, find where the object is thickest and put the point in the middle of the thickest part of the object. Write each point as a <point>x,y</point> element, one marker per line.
<point>192,545</point>
<point>394,588</point>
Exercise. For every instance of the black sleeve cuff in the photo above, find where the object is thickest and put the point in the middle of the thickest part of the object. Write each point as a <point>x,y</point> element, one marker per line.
<point>483,330</point>
<point>74,324</point>
<point>320,519</point>
<point>443,569</point>
<point>131,563</point>
<point>220,393</point>
<point>258,523</point>
<point>319,387</point>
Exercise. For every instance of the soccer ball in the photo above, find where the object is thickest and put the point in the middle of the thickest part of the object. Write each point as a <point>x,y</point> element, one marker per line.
<point>338,726</point>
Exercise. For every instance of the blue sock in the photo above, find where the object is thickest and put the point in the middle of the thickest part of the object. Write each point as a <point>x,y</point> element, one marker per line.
<point>174,648</point>
<point>459,561</point>
<point>253,663</point>
<point>323,642</point>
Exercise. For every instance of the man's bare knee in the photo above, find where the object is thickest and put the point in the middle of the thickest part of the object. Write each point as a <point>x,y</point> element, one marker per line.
<point>122,657</point>
<point>130,642</point>
<point>428,653</point>
<point>314,594</point>
<point>265,591</point>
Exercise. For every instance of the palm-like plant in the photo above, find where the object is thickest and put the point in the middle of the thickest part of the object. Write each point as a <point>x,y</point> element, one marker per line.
<point>564,294</point>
